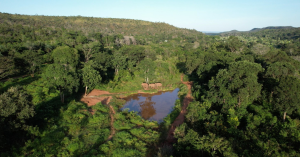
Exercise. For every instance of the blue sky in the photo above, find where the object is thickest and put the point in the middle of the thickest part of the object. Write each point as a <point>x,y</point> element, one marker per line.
<point>202,15</point>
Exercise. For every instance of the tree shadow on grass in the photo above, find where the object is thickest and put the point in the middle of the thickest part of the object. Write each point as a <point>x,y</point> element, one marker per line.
<point>18,81</point>
<point>60,128</point>
<point>46,114</point>
<point>181,67</point>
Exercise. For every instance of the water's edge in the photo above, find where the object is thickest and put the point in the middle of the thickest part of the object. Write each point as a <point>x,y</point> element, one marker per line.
<point>154,106</point>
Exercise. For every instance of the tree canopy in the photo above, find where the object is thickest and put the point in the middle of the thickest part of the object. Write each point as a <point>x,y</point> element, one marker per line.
<point>244,98</point>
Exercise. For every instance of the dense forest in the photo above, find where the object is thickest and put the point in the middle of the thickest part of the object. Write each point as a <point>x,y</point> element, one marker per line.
<point>245,88</point>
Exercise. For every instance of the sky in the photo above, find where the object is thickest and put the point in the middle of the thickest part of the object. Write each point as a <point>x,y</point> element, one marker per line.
<point>202,15</point>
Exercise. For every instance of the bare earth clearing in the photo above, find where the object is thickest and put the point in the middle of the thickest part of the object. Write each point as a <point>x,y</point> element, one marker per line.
<point>97,96</point>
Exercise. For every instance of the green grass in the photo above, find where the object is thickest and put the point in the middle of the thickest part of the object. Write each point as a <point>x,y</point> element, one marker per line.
<point>70,130</point>
<point>126,83</point>
<point>185,78</point>
<point>170,118</point>
<point>22,81</point>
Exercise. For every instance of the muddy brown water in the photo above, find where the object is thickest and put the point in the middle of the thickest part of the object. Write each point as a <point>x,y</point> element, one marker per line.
<point>152,106</point>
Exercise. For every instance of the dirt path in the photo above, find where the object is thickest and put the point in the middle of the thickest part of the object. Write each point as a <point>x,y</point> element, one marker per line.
<point>98,96</point>
<point>180,118</point>
<point>101,96</point>
<point>113,131</point>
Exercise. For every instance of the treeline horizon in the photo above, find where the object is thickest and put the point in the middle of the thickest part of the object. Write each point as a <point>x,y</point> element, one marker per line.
<point>245,88</point>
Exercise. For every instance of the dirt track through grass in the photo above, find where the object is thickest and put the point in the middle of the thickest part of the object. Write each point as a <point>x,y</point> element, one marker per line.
<point>180,118</point>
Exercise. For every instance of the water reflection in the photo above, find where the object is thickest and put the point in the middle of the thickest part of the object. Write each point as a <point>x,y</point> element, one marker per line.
<point>152,106</point>
<point>147,109</point>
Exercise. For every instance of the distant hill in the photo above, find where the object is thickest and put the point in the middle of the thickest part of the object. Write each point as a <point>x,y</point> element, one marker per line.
<point>109,26</point>
<point>272,27</point>
<point>219,33</point>
<point>236,32</point>
<point>210,33</point>
<point>274,32</point>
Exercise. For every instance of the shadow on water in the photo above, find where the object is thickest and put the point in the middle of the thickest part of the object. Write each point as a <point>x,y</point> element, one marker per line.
<point>152,106</point>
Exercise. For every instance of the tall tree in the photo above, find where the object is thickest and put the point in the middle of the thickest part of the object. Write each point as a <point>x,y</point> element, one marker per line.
<point>237,86</point>
<point>287,96</point>
<point>66,56</point>
<point>90,49</point>
<point>62,74</point>
<point>147,67</point>
<point>90,76</point>
<point>135,55</point>
<point>119,61</point>
<point>280,69</point>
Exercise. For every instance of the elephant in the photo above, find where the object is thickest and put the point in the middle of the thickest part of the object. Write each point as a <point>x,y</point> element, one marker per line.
<point>145,86</point>
<point>158,85</point>
<point>152,86</point>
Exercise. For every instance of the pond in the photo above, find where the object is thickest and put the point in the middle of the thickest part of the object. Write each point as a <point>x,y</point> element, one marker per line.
<point>152,106</point>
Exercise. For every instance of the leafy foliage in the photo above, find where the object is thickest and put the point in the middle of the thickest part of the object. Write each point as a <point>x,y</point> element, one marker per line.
<point>246,102</point>
<point>245,86</point>
<point>90,76</point>
<point>15,111</point>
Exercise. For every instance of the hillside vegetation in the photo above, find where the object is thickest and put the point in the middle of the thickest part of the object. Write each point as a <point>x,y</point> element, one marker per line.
<point>244,88</point>
<point>147,31</point>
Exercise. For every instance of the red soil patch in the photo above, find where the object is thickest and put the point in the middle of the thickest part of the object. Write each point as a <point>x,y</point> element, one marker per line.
<point>97,92</point>
<point>91,101</point>
<point>180,118</point>
<point>97,96</point>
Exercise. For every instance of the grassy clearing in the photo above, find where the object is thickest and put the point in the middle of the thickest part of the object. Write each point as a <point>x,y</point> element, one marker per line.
<point>125,82</point>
